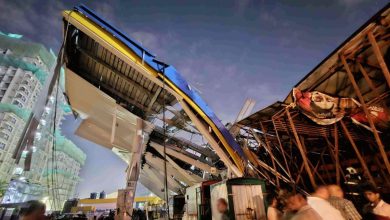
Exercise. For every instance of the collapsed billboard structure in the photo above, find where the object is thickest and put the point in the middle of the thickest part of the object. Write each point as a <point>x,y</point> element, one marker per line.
<point>139,107</point>
<point>333,127</point>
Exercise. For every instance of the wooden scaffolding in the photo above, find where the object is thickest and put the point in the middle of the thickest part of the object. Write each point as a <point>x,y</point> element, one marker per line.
<point>285,146</point>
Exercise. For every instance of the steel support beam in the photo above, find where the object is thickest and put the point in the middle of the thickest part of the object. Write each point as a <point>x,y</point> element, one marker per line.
<point>379,56</point>
<point>301,150</point>
<point>205,131</point>
<point>182,157</point>
<point>282,150</point>
<point>120,74</point>
<point>267,147</point>
<point>368,114</point>
<point>189,179</point>
<point>336,153</point>
<point>357,152</point>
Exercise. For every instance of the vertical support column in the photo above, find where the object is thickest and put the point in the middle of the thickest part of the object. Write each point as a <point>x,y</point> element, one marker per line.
<point>368,114</point>
<point>357,152</point>
<point>336,153</point>
<point>301,150</point>
<point>126,196</point>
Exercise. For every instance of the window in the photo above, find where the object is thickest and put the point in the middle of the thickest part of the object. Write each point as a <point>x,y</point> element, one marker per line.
<point>24,89</point>
<point>18,171</point>
<point>4,136</point>
<point>12,120</point>
<point>16,102</point>
<point>8,127</point>
<point>2,145</point>
<point>28,75</point>
<point>24,154</point>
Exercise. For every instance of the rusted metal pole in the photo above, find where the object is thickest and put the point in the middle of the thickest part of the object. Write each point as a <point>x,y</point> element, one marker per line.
<point>301,150</point>
<point>357,152</point>
<point>326,169</point>
<point>379,56</point>
<point>300,172</point>
<point>368,80</point>
<point>368,114</point>
<point>336,153</point>
<point>282,150</point>
<point>310,163</point>
<point>333,157</point>
<point>268,148</point>
<point>379,164</point>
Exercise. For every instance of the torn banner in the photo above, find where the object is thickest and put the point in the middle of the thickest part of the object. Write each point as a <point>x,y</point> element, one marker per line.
<point>325,110</point>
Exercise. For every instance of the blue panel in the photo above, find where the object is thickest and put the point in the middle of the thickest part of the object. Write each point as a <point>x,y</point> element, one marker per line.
<point>170,72</point>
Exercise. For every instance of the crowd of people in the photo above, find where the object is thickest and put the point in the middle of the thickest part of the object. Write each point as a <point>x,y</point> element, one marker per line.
<point>326,203</point>
<point>138,214</point>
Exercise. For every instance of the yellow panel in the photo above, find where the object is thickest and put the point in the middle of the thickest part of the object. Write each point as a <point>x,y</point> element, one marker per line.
<point>118,45</point>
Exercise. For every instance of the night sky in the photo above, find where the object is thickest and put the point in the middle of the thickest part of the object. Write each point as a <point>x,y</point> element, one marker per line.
<point>229,50</point>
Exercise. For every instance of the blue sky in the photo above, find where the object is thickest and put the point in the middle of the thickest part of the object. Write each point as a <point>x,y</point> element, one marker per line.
<point>229,50</point>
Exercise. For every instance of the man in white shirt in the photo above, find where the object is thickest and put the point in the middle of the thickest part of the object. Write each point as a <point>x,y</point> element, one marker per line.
<point>376,205</point>
<point>297,203</point>
<point>319,202</point>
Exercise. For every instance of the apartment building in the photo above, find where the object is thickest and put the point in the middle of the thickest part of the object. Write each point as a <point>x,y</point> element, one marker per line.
<point>56,161</point>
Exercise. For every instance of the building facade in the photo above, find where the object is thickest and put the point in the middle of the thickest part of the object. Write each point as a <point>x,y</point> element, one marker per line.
<point>55,161</point>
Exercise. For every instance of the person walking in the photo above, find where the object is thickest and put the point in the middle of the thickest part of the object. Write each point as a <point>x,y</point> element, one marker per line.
<point>346,207</point>
<point>319,202</point>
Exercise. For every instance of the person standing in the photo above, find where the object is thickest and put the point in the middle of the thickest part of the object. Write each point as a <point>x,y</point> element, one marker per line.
<point>376,205</point>
<point>345,206</point>
<point>273,212</point>
<point>319,202</point>
<point>297,203</point>
<point>222,208</point>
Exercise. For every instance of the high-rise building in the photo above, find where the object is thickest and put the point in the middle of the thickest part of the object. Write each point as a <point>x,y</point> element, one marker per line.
<point>22,75</point>
<point>56,161</point>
